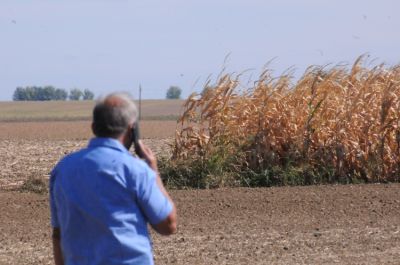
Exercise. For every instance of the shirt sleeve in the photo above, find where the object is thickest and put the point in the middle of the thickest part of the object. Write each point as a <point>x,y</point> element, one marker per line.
<point>53,208</point>
<point>152,201</point>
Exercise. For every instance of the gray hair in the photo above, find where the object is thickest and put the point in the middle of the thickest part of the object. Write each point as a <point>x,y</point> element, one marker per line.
<point>113,115</point>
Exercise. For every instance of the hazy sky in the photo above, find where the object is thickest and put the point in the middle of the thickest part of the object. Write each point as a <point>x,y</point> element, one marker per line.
<point>108,45</point>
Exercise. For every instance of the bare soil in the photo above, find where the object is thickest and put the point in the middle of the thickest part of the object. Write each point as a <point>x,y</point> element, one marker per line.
<point>75,130</point>
<point>22,159</point>
<point>354,224</point>
<point>78,110</point>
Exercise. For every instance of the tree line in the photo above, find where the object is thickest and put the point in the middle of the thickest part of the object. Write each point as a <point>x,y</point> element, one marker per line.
<point>46,93</point>
<point>174,92</point>
<point>38,93</point>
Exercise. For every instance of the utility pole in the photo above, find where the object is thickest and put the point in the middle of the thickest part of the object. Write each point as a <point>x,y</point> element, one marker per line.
<point>140,102</point>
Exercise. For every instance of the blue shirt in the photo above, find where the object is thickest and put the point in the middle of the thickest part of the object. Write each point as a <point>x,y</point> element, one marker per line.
<point>101,199</point>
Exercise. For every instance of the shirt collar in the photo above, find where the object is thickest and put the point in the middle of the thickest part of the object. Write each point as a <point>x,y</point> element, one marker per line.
<point>107,142</point>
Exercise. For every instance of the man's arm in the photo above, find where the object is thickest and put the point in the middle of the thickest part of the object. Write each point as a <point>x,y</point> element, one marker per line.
<point>57,252</point>
<point>169,225</point>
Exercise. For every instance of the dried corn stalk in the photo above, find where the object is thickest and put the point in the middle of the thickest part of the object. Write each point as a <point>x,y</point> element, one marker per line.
<point>347,120</point>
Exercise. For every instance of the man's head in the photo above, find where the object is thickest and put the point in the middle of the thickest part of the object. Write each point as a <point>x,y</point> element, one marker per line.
<point>114,115</point>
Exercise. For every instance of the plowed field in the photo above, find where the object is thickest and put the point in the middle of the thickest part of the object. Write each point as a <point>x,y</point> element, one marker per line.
<point>353,224</point>
<point>290,225</point>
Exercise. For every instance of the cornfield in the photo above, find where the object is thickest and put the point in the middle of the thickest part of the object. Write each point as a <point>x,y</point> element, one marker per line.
<point>337,124</point>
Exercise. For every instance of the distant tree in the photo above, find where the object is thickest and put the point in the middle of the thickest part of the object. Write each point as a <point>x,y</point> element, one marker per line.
<point>30,93</point>
<point>60,94</point>
<point>20,94</point>
<point>37,93</point>
<point>88,95</point>
<point>75,94</point>
<point>174,92</point>
<point>45,93</point>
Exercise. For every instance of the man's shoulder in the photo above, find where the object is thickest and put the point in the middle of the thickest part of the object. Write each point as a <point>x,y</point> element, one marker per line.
<point>123,160</point>
<point>135,164</point>
<point>69,158</point>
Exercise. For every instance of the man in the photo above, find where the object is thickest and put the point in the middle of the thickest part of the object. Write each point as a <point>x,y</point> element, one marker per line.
<point>102,197</point>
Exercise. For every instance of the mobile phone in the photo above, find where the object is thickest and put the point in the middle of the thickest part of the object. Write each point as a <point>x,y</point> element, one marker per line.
<point>135,140</point>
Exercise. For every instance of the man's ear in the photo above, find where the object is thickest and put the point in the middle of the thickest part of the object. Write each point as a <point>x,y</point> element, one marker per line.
<point>93,128</point>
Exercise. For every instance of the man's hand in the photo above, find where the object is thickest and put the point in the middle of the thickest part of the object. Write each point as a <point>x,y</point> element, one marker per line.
<point>148,156</point>
<point>168,226</point>
<point>57,251</point>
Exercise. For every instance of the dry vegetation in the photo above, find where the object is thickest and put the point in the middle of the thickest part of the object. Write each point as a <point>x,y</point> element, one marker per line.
<point>70,120</point>
<point>76,130</point>
<point>334,124</point>
<point>25,161</point>
<point>224,133</point>
<point>35,135</point>
<point>80,110</point>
